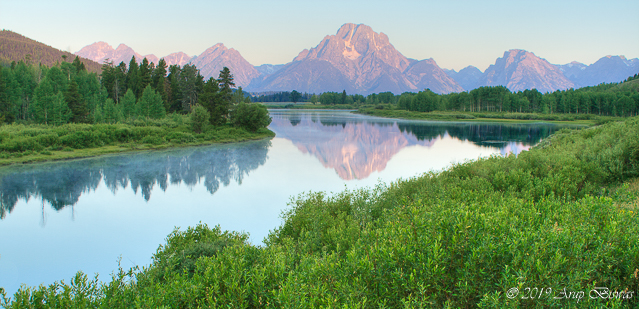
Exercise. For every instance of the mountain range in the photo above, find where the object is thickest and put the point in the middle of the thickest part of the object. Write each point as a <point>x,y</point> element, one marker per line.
<point>358,60</point>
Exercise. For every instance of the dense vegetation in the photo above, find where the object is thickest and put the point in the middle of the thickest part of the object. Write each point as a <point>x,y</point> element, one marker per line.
<point>282,96</point>
<point>562,216</point>
<point>65,107</point>
<point>15,47</point>
<point>613,99</point>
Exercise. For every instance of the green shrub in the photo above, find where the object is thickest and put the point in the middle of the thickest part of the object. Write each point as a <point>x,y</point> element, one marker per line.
<point>250,116</point>
<point>79,139</point>
<point>199,118</point>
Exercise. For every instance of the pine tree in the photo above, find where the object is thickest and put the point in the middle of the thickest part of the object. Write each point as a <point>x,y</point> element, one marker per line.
<point>79,66</point>
<point>158,81</point>
<point>144,75</point>
<point>213,101</point>
<point>132,77</point>
<point>174,93</point>
<point>76,103</point>
<point>225,80</point>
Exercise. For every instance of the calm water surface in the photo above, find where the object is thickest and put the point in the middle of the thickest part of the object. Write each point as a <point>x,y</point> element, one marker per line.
<point>59,218</point>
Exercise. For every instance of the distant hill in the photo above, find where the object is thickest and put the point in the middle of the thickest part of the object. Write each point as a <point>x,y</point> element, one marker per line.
<point>16,47</point>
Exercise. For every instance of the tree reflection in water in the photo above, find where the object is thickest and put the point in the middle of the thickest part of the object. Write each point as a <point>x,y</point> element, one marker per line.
<point>62,183</point>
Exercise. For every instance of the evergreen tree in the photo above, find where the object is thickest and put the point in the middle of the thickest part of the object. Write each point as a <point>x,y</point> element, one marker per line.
<point>8,96</point>
<point>144,75</point>
<point>225,80</point>
<point>79,66</point>
<point>158,80</point>
<point>76,103</point>
<point>132,77</point>
<point>174,94</point>
<point>190,84</point>
<point>295,96</point>
<point>213,101</point>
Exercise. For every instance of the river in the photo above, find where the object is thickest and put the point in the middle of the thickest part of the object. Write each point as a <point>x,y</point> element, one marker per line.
<point>62,217</point>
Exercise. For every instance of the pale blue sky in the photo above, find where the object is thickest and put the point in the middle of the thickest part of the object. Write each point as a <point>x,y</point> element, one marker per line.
<point>455,33</point>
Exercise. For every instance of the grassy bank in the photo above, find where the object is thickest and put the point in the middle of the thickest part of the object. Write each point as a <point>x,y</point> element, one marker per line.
<point>307,105</point>
<point>32,143</point>
<point>500,232</point>
<point>387,111</point>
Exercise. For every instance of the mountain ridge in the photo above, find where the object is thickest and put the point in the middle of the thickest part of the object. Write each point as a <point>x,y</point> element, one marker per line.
<point>360,60</point>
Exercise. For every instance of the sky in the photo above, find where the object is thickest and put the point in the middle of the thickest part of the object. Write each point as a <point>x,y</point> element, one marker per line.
<point>454,33</point>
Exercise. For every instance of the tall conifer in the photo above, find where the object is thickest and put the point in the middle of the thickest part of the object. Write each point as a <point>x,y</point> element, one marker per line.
<point>132,76</point>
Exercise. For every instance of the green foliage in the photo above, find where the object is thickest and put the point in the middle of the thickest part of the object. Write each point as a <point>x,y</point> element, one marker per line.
<point>128,104</point>
<point>213,100</point>
<point>76,103</point>
<point>199,118</point>
<point>552,217</point>
<point>250,116</point>
<point>150,104</point>
<point>132,77</point>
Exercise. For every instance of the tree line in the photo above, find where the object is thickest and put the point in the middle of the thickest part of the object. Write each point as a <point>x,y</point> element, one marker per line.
<point>611,99</point>
<point>282,96</point>
<point>68,93</point>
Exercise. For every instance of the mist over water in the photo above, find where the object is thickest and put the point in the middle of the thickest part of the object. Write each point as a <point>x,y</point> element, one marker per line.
<point>62,217</point>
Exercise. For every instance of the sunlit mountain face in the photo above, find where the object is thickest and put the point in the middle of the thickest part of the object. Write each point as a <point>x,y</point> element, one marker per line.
<point>355,148</point>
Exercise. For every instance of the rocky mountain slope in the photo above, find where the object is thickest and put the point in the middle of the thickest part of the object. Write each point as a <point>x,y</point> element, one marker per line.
<point>363,61</point>
<point>215,58</point>
<point>519,70</point>
<point>608,69</point>
<point>101,51</point>
<point>467,77</point>
<point>360,60</point>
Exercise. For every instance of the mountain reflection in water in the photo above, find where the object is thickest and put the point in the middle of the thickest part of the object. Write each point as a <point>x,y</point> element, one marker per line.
<point>62,183</point>
<point>356,146</point>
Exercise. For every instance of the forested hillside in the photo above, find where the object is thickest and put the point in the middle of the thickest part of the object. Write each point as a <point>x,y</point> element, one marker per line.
<point>15,47</point>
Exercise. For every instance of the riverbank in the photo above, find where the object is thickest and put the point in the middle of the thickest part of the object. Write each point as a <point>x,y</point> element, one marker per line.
<point>21,144</point>
<point>581,119</point>
<point>562,217</point>
<point>306,105</point>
